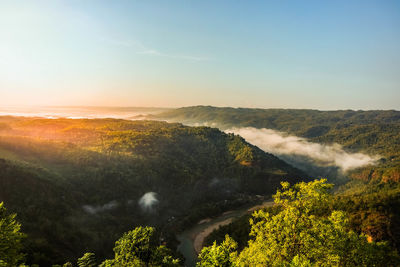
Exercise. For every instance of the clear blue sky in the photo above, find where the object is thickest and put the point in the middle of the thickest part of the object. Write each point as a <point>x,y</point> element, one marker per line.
<point>289,54</point>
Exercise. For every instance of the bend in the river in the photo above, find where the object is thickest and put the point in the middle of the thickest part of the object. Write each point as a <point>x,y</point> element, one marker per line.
<point>191,240</point>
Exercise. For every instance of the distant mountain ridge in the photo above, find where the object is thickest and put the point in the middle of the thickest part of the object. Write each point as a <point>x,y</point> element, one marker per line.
<point>373,132</point>
<point>290,120</point>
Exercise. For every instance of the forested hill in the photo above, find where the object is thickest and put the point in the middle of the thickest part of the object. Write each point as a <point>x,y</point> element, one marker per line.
<point>372,132</point>
<point>76,183</point>
<point>296,121</point>
<point>371,201</point>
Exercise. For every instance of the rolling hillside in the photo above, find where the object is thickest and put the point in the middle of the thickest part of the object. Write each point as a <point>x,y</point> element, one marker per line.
<point>371,198</point>
<point>76,183</point>
<point>372,132</point>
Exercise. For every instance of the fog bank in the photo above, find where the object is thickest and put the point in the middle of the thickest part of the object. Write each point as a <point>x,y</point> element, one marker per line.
<point>279,143</point>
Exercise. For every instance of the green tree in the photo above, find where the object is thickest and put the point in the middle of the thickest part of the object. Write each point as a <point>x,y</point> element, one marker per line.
<point>107,263</point>
<point>134,245</point>
<point>138,248</point>
<point>222,255</point>
<point>10,239</point>
<point>304,233</point>
<point>161,256</point>
<point>87,260</point>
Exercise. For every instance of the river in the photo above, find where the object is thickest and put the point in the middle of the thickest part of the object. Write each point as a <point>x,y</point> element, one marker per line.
<point>191,240</point>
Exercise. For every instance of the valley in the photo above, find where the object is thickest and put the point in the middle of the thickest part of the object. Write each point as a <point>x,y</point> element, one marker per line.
<point>101,177</point>
<point>92,173</point>
<point>199,133</point>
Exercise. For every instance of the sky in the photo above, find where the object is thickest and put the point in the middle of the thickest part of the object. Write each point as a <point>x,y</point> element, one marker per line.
<point>267,54</point>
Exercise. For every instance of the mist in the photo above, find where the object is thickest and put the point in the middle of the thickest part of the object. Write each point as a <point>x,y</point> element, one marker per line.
<point>100,208</point>
<point>148,202</point>
<point>279,143</point>
<point>128,113</point>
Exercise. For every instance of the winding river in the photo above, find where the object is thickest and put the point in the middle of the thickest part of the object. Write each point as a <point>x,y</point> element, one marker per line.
<point>192,239</point>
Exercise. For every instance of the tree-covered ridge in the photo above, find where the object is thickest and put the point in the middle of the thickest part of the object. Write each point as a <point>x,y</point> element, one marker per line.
<point>288,120</point>
<point>76,183</point>
<point>373,208</point>
<point>373,132</point>
<point>304,231</point>
<point>372,204</point>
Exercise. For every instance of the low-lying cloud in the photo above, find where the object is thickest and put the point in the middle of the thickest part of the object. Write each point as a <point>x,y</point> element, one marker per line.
<point>148,201</point>
<point>323,155</point>
<point>100,208</point>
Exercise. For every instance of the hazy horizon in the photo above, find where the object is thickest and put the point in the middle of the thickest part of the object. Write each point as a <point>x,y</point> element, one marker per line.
<point>32,108</point>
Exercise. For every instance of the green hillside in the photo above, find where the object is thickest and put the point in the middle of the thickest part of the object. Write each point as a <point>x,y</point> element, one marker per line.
<point>371,199</point>
<point>372,132</point>
<point>75,183</point>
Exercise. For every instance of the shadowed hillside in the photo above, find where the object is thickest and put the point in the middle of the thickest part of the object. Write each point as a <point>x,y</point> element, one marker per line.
<point>76,184</point>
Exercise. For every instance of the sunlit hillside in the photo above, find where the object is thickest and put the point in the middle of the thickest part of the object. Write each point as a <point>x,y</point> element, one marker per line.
<point>85,176</point>
<point>199,133</point>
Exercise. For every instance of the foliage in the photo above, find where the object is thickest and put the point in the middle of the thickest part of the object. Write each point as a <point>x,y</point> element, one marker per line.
<point>238,230</point>
<point>136,248</point>
<point>87,260</point>
<point>222,255</point>
<point>375,131</point>
<point>91,174</point>
<point>10,238</point>
<point>306,233</point>
<point>134,245</point>
<point>197,172</point>
<point>375,209</point>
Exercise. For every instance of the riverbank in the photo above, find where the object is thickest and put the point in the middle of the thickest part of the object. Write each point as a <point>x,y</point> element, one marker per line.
<point>191,240</point>
<point>199,239</point>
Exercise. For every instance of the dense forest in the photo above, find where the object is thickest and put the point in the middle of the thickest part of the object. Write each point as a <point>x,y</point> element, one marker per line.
<point>91,187</point>
<point>78,184</point>
<point>371,198</point>
<point>303,228</point>
<point>372,132</point>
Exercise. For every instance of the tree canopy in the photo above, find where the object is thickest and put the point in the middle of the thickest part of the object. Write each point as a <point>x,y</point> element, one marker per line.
<point>304,233</point>
<point>373,131</point>
<point>91,173</point>
<point>138,248</point>
<point>87,260</point>
<point>10,238</point>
